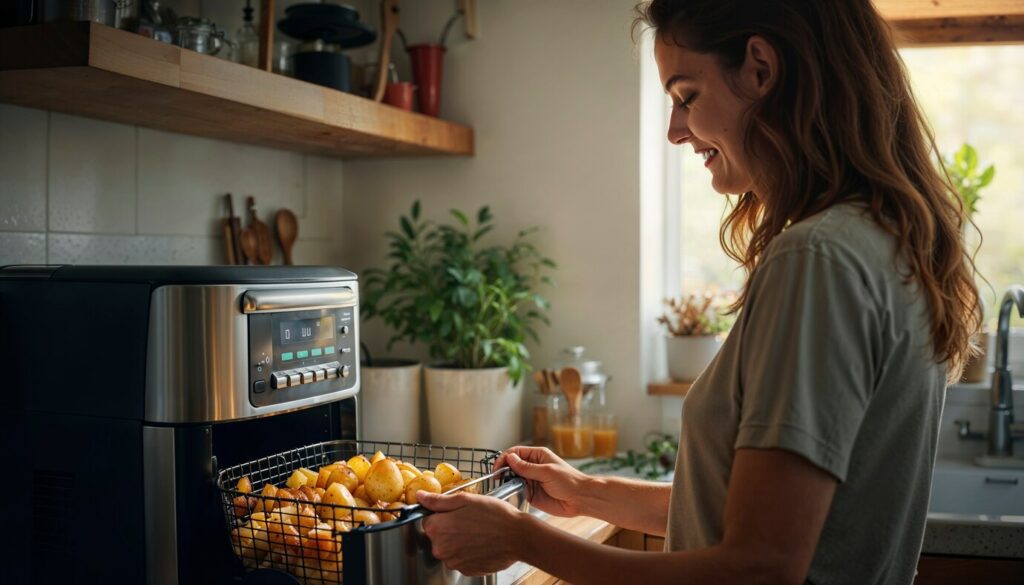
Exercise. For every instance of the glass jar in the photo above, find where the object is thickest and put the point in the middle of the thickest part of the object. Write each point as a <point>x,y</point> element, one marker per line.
<point>199,35</point>
<point>570,436</point>
<point>594,381</point>
<point>606,434</point>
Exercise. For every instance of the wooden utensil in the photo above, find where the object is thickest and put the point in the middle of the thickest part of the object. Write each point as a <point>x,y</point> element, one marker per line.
<point>389,18</point>
<point>229,241</point>
<point>236,228</point>
<point>542,383</point>
<point>249,247</point>
<point>287,231</point>
<point>572,387</point>
<point>264,241</point>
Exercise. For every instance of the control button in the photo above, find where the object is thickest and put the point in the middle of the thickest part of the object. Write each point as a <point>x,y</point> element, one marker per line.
<point>279,381</point>
<point>332,372</point>
<point>294,379</point>
<point>345,371</point>
<point>259,386</point>
<point>343,330</point>
<point>316,352</point>
<point>329,350</point>
<point>320,374</point>
<point>287,356</point>
<point>307,377</point>
<point>302,354</point>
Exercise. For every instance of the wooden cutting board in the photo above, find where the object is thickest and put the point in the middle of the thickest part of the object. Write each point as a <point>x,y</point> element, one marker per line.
<point>264,241</point>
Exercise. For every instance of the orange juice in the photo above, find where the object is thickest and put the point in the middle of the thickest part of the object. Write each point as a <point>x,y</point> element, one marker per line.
<point>572,441</point>
<point>606,442</point>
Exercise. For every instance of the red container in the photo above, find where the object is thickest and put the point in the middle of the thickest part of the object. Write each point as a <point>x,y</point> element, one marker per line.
<point>427,61</point>
<point>399,94</point>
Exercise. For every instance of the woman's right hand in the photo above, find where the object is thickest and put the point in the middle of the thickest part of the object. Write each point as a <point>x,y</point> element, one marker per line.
<point>552,485</point>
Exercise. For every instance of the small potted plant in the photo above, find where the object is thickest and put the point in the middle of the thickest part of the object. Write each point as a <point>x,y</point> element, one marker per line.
<point>695,325</point>
<point>968,179</point>
<point>473,306</point>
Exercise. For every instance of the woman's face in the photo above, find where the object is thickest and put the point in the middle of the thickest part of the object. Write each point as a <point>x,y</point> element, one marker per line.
<point>708,113</point>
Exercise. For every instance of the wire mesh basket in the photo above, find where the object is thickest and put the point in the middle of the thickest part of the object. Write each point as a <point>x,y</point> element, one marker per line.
<point>302,530</point>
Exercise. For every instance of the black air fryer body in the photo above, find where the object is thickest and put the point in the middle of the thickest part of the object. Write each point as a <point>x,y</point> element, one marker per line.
<point>129,387</point>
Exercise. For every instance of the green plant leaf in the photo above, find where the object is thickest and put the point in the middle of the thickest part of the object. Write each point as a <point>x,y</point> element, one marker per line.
<point>987,176</point>
<point>416,209</point>
<point>461,217</point>
<point>406,227</point>
<point>484,215</point>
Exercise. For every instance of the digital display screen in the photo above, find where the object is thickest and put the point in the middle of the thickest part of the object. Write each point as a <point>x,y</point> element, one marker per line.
<point>306,330</point>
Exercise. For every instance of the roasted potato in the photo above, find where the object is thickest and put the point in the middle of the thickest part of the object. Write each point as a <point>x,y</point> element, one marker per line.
<point>447,473</point>
<point>421,483</point>
<point>361,465</point>
<point>384,481</point>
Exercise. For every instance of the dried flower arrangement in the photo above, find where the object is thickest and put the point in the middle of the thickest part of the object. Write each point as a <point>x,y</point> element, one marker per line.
<point>706,313</point>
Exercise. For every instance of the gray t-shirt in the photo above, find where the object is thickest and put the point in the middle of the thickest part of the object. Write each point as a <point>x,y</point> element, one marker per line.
<point>831,358</point>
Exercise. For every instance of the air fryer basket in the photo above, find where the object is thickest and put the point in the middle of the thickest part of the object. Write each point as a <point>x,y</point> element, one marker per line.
<point>344,547</point>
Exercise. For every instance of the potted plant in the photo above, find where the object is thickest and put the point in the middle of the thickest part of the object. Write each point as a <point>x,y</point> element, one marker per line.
<point>695,325</point>
<point>473,306</point>
<point>967,179</point>
<point>390,398</point>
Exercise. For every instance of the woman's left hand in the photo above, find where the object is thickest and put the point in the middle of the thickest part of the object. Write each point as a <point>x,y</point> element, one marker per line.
<point>473,534</point>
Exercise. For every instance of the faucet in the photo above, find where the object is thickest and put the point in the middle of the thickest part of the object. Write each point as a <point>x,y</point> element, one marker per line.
<point>1001,428</point>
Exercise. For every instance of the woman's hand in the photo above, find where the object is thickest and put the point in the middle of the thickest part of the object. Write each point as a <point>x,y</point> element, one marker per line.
<point>475,535</point>
<point>552,485</point>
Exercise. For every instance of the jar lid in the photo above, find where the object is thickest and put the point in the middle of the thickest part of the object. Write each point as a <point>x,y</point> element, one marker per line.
<point>590,370</point>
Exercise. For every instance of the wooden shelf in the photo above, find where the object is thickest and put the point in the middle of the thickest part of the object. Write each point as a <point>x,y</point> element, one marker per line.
<point>668,388</point>
<point>929,22</point>
<point>91,70</point>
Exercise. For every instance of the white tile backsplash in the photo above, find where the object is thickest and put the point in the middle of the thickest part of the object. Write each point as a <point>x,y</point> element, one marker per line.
<point>22,169</point>
<point>103,249</point>
<point>68,193</point>
<point>19,248</point>
<point>91,176</point>
<point>182,180</point>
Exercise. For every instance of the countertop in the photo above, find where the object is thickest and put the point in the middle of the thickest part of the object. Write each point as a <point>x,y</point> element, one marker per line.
<point>588,528</point>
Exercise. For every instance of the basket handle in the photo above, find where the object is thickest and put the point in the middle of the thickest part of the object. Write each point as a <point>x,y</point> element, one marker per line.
<point>505,491</point>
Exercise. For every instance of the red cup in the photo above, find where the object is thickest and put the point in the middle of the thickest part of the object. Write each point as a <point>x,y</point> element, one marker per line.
<point>399,94</point>
<point>427,60</point>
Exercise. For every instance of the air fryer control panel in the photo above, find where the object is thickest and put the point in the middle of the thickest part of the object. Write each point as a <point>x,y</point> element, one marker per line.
<point>300,354</point>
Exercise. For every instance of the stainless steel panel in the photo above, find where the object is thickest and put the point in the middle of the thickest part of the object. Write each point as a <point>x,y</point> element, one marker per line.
<point>197,361</point>
<point>295,299</point>
<point>160,511</point>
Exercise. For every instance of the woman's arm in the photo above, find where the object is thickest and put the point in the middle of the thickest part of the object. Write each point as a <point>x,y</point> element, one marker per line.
<point>775,510</point>
<point>628,503</point>
<point>559,489</point>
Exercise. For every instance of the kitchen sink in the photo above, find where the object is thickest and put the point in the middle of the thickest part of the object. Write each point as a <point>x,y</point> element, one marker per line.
<point>960,487</point>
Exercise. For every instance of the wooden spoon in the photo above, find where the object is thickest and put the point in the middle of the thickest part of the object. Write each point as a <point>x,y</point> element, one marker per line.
<point>287,231</point>
<point>572,387</point>
<point>249,247</point>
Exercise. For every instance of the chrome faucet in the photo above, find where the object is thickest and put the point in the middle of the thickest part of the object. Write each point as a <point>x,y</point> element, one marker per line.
<point>1001,428</point>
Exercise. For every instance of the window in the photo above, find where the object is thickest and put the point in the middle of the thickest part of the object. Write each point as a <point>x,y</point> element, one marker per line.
<point>973,94</point>
<point>969,94</point>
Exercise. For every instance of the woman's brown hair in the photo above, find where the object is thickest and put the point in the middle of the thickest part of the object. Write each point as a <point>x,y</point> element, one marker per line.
<point>840,124</point>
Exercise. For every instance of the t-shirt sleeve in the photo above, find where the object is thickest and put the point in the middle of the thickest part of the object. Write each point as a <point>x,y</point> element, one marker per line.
<point>809,344</point>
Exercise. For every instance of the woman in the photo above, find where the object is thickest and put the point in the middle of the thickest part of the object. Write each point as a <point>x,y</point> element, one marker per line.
<point>807,445</point>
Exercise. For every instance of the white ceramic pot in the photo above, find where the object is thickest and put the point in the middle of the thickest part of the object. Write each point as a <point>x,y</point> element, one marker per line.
<point>389,398</point>
<point>688,356</point>
<point>473,408</point>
